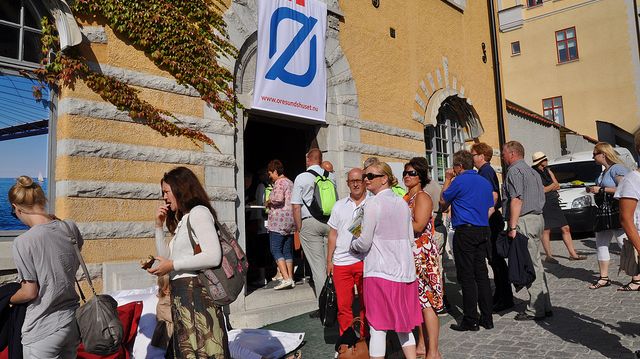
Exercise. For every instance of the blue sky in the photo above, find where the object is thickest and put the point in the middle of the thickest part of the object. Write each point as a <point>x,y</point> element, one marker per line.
<point>23,156</point>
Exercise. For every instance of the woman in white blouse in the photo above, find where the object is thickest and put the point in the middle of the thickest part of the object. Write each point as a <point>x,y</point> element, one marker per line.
<point>199,330</point>
<point>390,286</point>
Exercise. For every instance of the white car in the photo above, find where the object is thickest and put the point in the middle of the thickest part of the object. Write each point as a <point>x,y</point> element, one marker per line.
<point>575,172</point>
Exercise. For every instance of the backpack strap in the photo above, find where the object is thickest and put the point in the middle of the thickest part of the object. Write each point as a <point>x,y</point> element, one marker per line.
<point>325,174</point>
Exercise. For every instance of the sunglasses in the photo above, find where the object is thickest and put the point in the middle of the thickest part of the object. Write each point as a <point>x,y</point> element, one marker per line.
<point>370,176</point>
<point>13,213</point>
<point>596,153</point>
<point>354,181</point>
<point>409,173</point>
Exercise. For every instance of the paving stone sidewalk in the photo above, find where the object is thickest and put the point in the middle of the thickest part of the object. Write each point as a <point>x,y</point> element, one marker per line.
<point>585,324</point>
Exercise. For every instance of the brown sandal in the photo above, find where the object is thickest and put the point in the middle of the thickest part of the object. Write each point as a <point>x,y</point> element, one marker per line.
<point>598,285</point>
<point>578,258</point>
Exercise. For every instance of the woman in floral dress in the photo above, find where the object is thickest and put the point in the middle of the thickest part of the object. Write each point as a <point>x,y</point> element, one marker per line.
<point>415,177</point>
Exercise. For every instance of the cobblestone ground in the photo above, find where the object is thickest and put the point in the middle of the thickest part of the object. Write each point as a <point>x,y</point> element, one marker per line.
<point>585,324</point>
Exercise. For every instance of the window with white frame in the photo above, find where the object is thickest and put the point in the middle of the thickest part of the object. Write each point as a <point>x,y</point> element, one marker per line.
<point>447,139</point>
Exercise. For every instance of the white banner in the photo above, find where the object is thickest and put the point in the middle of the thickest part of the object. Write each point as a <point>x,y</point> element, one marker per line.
<point>290,71</point>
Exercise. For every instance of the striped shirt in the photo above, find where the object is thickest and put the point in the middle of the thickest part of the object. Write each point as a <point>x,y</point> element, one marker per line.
<point>523,182</point>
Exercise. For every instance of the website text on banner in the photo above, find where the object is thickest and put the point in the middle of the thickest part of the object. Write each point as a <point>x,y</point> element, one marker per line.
<point>290,71</point>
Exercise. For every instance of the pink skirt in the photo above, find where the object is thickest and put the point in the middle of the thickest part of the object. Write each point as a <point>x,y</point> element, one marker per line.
<point>392,305</point>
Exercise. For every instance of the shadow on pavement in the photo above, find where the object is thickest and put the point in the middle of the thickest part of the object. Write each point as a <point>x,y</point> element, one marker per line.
<point>585,275</point>
<point>581,329</point>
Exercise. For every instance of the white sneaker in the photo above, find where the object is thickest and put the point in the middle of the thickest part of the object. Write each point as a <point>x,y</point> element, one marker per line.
<point>284,284</point>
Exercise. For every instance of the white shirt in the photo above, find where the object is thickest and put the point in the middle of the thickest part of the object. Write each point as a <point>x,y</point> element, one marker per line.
<point>629,187</point>
<point>342,215</point>
<point>387,238</point>
<point>179,249</point>
<point>303,188</point>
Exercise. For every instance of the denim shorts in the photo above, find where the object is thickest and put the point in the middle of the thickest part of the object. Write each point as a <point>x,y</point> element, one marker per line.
<point>281,246</point>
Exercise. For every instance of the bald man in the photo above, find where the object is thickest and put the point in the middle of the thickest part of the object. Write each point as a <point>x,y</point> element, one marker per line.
<point>327,165</point>
<point>313,232</point>
<point>347,267</point>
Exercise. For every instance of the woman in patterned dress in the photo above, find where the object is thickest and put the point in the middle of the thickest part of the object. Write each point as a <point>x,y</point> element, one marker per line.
<point>198,323</point>
<point>415,177</point>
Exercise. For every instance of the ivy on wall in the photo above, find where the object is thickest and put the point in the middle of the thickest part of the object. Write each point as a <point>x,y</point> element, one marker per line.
<point>187,38</point>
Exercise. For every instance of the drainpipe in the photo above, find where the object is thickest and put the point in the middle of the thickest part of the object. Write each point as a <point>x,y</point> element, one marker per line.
<point>496,77</point>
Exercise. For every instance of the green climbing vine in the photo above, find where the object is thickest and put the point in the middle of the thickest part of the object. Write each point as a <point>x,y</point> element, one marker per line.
<point>187,38</point>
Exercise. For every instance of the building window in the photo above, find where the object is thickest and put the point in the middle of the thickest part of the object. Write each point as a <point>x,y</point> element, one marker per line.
<point>567,45</point>
<point>20,33</point>
<point>515,48</point>
<point>552,109</point>
<point>532,3</point>
<point>445,141</point>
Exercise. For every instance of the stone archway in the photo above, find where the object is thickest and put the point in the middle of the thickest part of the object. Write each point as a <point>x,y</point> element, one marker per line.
<point>429,98</point>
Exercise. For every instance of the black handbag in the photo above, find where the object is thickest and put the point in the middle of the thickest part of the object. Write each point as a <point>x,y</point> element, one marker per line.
<point>608,212</point>
<point>328,303</point>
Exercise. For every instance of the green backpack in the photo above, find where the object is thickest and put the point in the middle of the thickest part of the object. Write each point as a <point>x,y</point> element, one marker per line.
<point>398,190</point>
<point>325,196</point>
<point>267,194</point>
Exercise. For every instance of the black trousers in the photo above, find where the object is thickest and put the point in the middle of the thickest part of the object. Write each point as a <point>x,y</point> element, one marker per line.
<point>470,249</point>
<point>503,295</point>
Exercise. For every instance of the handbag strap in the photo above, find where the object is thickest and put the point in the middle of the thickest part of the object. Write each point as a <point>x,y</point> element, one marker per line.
<point>74,240</point>
<point>355,321</point>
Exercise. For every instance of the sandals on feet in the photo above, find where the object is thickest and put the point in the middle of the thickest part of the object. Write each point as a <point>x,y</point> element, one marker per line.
<point>627,287</point>
<point>578,258</point>
<point>597,284</point>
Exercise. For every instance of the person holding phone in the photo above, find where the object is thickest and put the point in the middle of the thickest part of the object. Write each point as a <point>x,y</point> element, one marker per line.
<point>198,324</point>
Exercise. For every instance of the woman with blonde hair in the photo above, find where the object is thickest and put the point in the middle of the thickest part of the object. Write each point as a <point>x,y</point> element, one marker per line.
<point>46,261</point>
<point>390,286</point>
<point>606,184</point>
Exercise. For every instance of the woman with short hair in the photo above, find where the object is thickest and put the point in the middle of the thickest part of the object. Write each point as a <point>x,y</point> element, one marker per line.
<point>198,323</point>
<point>607,182</point>
<point>280,223</point>
<point>390,286</point>
<point>47,263</point>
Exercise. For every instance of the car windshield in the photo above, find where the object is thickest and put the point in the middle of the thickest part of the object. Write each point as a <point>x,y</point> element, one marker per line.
<point>576,173</point>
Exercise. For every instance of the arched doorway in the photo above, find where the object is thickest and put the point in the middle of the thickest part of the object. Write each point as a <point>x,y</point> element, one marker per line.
<point>456,123</point>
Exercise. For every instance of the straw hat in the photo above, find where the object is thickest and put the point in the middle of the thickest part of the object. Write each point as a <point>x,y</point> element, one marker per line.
<point>538,157</point>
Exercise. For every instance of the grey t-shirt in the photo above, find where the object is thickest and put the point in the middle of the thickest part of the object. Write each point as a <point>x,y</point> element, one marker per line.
<point>45,254</point>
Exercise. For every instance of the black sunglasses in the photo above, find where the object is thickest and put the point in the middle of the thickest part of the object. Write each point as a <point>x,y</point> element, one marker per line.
<point>409,173</point>
<point>370,176</point>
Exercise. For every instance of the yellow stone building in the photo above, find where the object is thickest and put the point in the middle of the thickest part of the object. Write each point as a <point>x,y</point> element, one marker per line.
<point>576,62</point>
<point>402,81</point>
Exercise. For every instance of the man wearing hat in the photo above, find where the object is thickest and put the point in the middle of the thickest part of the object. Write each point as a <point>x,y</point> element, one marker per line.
<point>552,213</point>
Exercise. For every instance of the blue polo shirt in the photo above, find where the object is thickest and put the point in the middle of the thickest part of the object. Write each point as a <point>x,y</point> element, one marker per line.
<point>489,173</point>
<point>471,196</point>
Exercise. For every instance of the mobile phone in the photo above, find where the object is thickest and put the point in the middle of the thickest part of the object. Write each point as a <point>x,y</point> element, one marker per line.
<point>147,263</point>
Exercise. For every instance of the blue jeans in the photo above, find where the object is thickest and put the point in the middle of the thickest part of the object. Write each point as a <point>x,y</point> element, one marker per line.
<point>281,246</point>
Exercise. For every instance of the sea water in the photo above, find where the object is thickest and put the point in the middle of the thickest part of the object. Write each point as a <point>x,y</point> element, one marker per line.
<point>7,221</point>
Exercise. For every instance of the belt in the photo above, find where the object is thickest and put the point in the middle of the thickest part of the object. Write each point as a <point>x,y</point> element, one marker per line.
<point>467,225</point>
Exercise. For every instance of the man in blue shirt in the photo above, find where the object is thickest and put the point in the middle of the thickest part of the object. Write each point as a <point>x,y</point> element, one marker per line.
<point>471,198</point>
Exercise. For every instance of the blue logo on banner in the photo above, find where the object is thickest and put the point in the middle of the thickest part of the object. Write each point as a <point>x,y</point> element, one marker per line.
<point>277,70</point>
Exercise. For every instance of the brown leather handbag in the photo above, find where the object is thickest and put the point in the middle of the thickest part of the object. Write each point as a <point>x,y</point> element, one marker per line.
<point>359,349</point>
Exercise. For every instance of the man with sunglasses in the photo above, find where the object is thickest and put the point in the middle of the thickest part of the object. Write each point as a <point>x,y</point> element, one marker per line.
<point>471,198</point>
